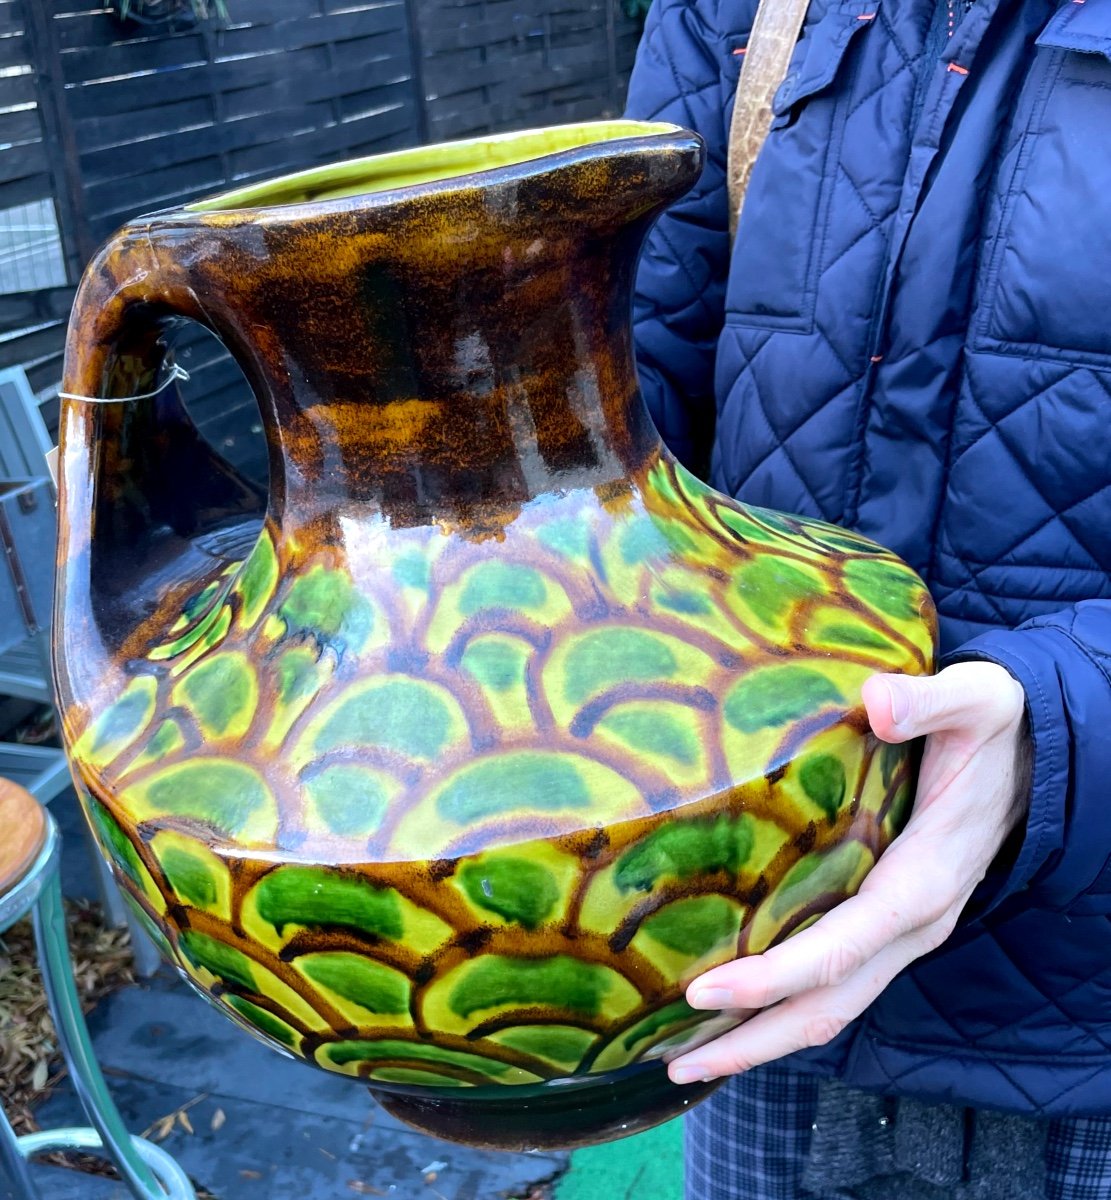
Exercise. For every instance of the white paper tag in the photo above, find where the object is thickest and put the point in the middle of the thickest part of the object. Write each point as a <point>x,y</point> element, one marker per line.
<point>52,465</point>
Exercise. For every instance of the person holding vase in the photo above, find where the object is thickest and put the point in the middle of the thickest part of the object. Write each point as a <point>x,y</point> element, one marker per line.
<point>908,336</point>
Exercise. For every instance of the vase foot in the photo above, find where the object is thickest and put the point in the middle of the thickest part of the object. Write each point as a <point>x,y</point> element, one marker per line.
<point>560,1115</point>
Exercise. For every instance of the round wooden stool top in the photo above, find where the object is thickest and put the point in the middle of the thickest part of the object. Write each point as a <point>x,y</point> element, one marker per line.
<point>22,832</point>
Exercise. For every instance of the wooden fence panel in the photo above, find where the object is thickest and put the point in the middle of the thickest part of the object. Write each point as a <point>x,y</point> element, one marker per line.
<point>115,119</point>
<point>508,64</point>
<point>162,117</point>
<point>26,172</point>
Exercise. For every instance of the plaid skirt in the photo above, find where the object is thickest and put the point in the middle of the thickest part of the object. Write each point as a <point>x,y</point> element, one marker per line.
<point>752,1141</point>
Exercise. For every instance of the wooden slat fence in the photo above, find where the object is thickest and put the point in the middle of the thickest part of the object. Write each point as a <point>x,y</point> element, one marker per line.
<point>111,119</point>
<point>510,64</point>
<point>159,118</point>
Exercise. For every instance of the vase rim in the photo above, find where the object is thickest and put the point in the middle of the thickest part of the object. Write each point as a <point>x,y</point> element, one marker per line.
<point>431,165</point>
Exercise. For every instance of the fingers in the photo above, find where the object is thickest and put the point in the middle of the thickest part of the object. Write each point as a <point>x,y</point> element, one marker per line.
<point>815,982</point>
<point>903,896</point>
<point>825,954</point>
<point>977,696</point>
<point>810,1019</point>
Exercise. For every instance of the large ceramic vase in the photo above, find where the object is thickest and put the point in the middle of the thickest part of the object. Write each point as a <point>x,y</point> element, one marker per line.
<point>452,761</point>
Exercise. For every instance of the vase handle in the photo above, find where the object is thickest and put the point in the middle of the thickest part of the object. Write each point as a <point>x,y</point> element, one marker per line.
<point>138,484</point>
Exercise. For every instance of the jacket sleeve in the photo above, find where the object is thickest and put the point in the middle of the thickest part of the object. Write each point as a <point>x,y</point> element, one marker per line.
<point>680,294</point>
<point>1063,663</point>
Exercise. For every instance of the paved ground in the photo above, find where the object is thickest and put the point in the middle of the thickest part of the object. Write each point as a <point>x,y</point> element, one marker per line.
<point>265,1128</point>
<point>283,1130</point>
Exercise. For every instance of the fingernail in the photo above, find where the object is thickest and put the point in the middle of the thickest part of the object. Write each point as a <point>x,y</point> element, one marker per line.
<point>900,704</point>
<point>691,1074</point>
<point>710,997</point>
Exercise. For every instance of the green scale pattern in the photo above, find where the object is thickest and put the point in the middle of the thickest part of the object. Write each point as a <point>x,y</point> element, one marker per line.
<point>449,812</point>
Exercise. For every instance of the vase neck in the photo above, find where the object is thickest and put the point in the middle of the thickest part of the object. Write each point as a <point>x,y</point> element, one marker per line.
<point>473,376</point>
<point>459,345</point>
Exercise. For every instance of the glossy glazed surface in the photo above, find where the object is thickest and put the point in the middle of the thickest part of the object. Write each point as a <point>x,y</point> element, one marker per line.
<point>502,726</point>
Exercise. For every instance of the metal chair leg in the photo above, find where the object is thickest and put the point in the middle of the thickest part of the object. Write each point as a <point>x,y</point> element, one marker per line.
<point>173,1183</point>
<point>13,1163</point>
<point>130,1155</point>
<point>147,1170</point>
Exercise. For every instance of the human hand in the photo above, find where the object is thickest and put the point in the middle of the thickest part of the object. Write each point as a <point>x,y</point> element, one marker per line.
<point>805,990</point>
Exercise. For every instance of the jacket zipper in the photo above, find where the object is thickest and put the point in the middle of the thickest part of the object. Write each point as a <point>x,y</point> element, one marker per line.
<point>942,89</point>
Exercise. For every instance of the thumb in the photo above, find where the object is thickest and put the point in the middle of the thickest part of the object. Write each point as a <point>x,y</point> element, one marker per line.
<point>901,707</point>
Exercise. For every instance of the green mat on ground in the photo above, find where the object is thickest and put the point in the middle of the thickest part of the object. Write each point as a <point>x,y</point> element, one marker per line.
<point>648,1166</point>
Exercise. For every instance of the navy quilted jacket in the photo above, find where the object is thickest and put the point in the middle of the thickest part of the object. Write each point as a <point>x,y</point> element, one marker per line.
<point>913,339</point>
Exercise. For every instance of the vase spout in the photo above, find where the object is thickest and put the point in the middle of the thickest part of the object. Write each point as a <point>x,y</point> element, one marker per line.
<point>450,323</point>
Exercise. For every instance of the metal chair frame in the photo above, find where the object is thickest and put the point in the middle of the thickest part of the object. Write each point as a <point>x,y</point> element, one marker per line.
<point>24,442</point>
<point>146,1169</point>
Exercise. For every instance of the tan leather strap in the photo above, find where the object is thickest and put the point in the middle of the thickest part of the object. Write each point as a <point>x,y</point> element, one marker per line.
<point>770,45</point>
